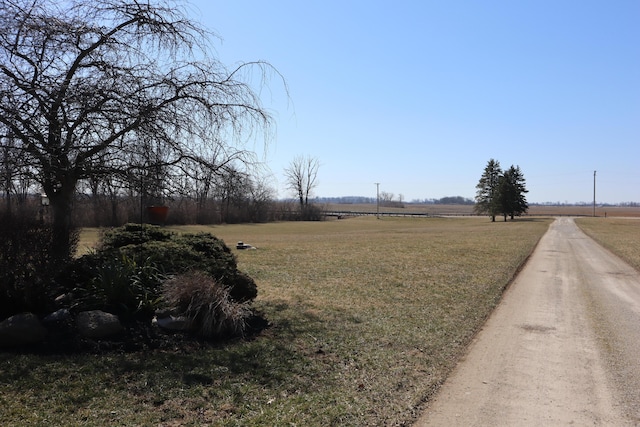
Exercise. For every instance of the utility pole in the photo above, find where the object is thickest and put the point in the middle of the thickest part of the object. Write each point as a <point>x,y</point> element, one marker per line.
<point>377,199</point>
<point>594,193</point>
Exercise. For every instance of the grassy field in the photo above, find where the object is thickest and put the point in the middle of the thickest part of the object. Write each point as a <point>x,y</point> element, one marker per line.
<point>620,235</point>
<point>464,210</point>
<point>367,319</point>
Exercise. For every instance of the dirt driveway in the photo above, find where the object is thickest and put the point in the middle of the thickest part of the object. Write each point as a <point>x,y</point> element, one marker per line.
<point>562,348</point>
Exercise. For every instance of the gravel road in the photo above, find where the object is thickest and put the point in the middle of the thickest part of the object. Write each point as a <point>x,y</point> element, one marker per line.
<point>562,348</point>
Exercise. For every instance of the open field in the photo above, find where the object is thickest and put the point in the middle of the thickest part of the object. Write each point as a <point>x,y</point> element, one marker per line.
<point>88,239</point>
<point>367,319</point>
<point>433,209</point>
<point>586,211</point>
<point>619,235</point>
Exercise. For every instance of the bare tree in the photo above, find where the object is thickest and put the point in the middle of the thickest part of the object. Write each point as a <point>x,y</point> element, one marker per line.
<point>83,82</point>
<point>231,189</point>
<point>386,198</point>
<point>8,166</point>
<point>302,175</point>
<point>262,196</point>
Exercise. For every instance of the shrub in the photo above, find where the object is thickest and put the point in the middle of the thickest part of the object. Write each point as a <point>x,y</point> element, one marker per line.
<point>120,285</point>
<point>134,234</point>
<point>201,251</point>
<point>311,213</point>
<point>27,265</point>
<point>207,305</point>
<point>124,275</point>
<point>171,255</point>
<point>242,287</point>
<point>211,248</point>
<point>216,259</point>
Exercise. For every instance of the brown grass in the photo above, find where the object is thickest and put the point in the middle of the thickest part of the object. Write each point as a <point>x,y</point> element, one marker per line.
<point>89,238</point>
<point>620,235</point>
<point>383,307</point>
<point>610,211</point>
<point>586,211</point>
<point>368,318</point>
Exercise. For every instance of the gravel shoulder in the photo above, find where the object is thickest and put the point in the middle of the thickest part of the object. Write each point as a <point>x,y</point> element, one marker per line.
<point>561,348</point>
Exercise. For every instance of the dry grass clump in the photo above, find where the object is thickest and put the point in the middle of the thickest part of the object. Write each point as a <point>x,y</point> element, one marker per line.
<point>206,304</point>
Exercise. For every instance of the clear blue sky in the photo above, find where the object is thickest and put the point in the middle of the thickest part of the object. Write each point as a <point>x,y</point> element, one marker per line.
<point>419,95</point>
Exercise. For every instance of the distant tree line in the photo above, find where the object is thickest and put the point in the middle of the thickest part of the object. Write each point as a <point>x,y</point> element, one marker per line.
<point>453,200</point>
<point>346,200</point>
<point>104,210</point>
<point>501,192</point>
<point>450,200</point>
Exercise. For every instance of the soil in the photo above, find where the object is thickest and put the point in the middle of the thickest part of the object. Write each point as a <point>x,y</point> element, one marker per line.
<point>561,348</point>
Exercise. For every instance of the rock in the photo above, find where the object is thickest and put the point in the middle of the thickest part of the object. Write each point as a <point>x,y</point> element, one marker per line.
<point>241,245</point>
<point>61,329</point>
<point>98,324</point>
<point>58,316</point>
<point>173,323</point>
<point>21,329</point>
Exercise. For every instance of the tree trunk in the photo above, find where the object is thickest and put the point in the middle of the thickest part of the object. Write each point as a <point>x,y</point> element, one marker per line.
<point>61,205</point>
<point>8,199</point>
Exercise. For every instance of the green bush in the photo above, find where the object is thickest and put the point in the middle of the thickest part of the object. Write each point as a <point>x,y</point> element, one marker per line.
<point>218,261</point>
<point>181,253</point>
<point>241,287</point>
<point>134,234</point>
<point>176,257</point>
<point>218,255</point>
<point>120,285</point>
<point>171,255</point>
<point>124,275</point>
<point>207,305</point>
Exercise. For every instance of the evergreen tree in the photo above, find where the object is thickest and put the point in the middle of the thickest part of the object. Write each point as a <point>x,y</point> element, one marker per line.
<point>487,190</point>
<point>512,193</point>
<point>501,192</point>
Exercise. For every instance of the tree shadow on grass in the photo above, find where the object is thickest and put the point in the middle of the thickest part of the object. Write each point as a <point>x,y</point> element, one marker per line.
<point>530,219</point>
<point>180,362</point>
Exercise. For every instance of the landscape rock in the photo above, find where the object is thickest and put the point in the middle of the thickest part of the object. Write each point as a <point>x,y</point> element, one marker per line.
<point>21,329</point>
<point>61,315</point>
<point>242,245</point>
<point>173,323</point>
<point>98,324</point>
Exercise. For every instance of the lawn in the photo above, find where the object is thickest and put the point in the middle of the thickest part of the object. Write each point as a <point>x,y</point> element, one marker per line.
<point>619,235</point>
<point>367,319</point>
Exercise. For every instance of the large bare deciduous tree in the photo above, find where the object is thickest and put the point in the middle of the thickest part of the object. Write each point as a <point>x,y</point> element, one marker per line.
<point>302,176</point>
<point>91,88</point>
